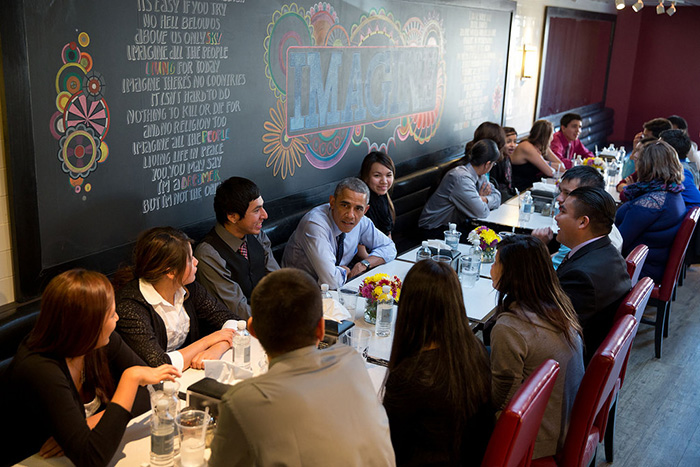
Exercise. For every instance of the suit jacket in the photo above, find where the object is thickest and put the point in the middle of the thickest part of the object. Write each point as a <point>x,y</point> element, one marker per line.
<point>596,280</point>
<point>313,408</point>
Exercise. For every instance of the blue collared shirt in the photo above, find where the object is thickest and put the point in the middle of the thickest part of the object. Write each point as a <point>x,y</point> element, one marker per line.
<point>313,245</point>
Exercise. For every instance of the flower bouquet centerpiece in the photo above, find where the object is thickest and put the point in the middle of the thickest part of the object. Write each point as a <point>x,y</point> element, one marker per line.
<point>595,162</point>
<point>371,289</point>
<point>485,239</point>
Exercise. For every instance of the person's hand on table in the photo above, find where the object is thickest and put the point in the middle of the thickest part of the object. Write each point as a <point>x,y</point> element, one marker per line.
<point>50,449</point>
<point>212,353</point>
<point>358,269</point>
<point>146,375</point>
<point>222,335</point>
<point>544,233</point>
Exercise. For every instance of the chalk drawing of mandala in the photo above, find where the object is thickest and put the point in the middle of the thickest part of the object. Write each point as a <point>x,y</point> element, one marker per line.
<point>82,120</point>
<point>94,114</point>
<point>284,153</point>
<point>290,26</point>
<point>79,151</point>
<point>377,28</point>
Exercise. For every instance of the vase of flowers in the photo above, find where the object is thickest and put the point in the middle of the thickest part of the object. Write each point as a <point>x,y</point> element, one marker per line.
<point>486,240</point>
<point>596,163</point>
<point>371,290</point>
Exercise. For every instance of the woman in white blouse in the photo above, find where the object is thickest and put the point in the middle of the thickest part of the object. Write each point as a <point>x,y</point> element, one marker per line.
<point>164,315</point>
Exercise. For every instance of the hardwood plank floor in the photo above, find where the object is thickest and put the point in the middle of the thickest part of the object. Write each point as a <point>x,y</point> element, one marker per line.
<point>658,418</point>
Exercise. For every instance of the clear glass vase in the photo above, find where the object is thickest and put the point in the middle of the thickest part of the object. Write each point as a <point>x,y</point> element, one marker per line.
<point>371,312</point>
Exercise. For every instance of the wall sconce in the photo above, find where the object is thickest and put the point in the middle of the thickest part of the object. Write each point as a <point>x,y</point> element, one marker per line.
<point>660,10</point>
<point>638,6</point>
<point>620,4</point>
<point>528,67</point>
<point>670,11</point>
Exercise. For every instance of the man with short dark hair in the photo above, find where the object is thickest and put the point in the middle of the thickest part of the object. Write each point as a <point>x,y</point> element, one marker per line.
<point>594,274</point>
<point>326,239</point>
<point>565,143</point>
<point>575,177</point>
<point>236,253</point>
<point>313,407</point>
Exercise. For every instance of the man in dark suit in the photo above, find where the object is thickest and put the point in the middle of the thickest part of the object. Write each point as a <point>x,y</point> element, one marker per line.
<point>593,274</point>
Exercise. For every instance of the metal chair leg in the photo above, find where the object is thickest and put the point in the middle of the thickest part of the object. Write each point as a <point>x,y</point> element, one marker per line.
<point>610,432</point>
<point>659,327</point>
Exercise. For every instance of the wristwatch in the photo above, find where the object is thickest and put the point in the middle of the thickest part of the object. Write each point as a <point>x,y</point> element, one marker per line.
<point>366,264</point>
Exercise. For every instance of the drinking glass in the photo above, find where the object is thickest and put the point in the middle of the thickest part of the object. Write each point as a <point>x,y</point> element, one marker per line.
<point>469,268</point>
<point>192,426</point>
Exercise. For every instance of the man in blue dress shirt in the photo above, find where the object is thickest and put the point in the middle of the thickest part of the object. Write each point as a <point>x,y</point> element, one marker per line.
<point>326,239</point>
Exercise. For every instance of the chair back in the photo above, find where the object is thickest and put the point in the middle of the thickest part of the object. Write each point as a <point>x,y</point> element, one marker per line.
<point>513,439</point>
<point>675,258</point>
<point>634,304</point>
<point>600,383</point>
<point>635,262</point>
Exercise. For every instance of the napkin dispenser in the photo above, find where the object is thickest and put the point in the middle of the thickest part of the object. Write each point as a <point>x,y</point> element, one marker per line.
<point>334,329</point>
<point>206,392</point>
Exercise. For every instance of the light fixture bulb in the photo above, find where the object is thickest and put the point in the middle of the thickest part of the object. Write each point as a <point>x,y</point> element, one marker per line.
<point>670,11</point>
<point>619,4</point>
<point>638,6</point>
<point>660,8</point>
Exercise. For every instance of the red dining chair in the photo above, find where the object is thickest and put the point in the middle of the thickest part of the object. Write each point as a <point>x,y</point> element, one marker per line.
<point>664,293</point>
<point>634,304</point>
<point>589,414</point>
<point>513,438</point>
<point>635,262</point>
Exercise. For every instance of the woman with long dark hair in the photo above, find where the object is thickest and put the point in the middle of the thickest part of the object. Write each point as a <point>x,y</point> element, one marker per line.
<point>437,389</point>
<point>502,174</point>
<point>533,157</point>
<point>534,321</point>
<point>464,193</point>
<point>164,315</point>
<point>378,173</point>
<point>73,385</point>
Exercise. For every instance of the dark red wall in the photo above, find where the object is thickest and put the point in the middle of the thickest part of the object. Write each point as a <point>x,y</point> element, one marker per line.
<point>655,70</point>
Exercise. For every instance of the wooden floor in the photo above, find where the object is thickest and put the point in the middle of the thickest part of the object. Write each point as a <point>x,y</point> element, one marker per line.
<point>659,406</point>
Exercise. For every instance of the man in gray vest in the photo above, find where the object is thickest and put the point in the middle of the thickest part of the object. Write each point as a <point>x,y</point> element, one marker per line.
<point>236,253</point>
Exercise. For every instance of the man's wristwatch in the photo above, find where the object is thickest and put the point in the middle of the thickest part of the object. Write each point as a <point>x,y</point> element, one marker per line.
<point>366,264</point>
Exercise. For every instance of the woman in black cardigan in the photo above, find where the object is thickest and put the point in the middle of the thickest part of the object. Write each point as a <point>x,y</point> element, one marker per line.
<point>164,315</point>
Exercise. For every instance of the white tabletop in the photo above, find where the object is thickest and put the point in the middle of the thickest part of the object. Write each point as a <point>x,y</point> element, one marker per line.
<point>410,256</point>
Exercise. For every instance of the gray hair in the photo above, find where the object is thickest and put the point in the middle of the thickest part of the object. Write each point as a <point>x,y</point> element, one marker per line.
<point>352,184</point>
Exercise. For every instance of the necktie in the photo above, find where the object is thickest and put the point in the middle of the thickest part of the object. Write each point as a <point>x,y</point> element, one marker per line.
<point>243,250</point>
<point>341,249</point>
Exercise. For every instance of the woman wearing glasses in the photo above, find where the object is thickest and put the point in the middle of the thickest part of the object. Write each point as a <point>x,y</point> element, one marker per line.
<point>464,193</point>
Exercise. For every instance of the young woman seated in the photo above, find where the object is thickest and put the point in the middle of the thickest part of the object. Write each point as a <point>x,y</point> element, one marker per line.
<point>437,389</point>
<point>654,208</point>
<point>464,193</point>
<point>533,158</point>
<point>534,321</point>
<point>73,385</point>
<point>502,175</point>
<point>164,315</point>
<point>377,172</point>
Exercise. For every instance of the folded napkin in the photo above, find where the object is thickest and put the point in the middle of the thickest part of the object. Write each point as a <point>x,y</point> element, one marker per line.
<point>334,310</point>
<point>546,187</point>
<point>438,245</point>
<point>225,372</point>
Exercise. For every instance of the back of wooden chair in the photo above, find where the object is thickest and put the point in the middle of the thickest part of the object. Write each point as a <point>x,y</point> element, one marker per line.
<point>513,438</point>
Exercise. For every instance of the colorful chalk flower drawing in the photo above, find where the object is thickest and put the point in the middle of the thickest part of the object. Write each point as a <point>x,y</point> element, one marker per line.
<point>325,140</point>
<point>82,120</point>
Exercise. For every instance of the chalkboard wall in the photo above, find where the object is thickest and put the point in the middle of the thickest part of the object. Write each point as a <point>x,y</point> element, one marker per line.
<point>124,115</point>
